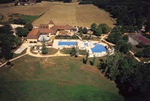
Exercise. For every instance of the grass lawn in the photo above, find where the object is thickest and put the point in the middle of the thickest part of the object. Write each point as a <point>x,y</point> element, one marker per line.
<point>66,50</point>
<point>28,18</point>
<point>82,52</point>
<point>57,79</point>
<point>51,51</point>
<point>135,49</point>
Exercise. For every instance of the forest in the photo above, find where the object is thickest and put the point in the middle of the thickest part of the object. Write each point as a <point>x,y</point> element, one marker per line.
<point>128,12</point>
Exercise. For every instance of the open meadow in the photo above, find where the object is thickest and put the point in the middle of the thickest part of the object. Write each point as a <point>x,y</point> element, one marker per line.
<point>61,13</point>
<point>55,79</point>
<point>76,15</point>
<point>37,9</point>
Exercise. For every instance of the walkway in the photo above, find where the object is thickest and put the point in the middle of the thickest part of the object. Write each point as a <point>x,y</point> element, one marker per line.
<point>13,59</point>
<point>54,55</point>
<point>78,36</point>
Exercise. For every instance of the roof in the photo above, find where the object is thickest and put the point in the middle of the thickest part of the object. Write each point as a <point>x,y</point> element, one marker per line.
<point>34,33</point>
<point>51,22</point>
<point>62,27</point>
<point>43,28</point>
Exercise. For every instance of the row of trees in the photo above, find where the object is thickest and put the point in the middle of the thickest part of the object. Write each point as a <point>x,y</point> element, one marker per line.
<point>131,77</point>
<point>7,41</point>
<point>128,13</point>
<point>23,31</point>
<point>117,37</point>
<point>100,29</point>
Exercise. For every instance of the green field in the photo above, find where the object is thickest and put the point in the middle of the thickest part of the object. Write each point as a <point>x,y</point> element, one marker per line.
<point>54,79</point>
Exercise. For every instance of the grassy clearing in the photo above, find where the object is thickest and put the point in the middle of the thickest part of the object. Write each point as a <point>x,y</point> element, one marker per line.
<point>37,9</point>
<point>51,51</point>
<point>135,49</point>
<point>66,50</point>
<point>58,78</point>
<point>75,15</point>
<point>29,19</point>
<point>82,52</point>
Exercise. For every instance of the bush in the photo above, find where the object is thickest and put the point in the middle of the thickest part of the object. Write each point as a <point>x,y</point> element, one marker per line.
<point>28,26</point>
<point>139,54</point>
<point>19,21</point>
<point>44,49</point>
<point>146,52</point>
<point>84,30</point>
<point>141,45</point>
<point>125,38</point>
<point>21,32</point>
<point>105,28</point>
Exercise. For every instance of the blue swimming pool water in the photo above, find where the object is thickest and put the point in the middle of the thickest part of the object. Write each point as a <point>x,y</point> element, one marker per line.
<point>98,49</point>
<point>85,44</point>
<point>66,43</point>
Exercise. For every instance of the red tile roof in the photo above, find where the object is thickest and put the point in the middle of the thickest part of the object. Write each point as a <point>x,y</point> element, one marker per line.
<point>34,33</point>
<point>51,22</point>
<point>43,28</point>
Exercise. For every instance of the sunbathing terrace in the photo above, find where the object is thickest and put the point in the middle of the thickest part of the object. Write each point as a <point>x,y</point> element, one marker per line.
<point>93,47</point>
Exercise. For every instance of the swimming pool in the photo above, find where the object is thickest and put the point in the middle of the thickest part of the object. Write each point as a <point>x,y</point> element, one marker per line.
<point>85,44</point>
<point>98,49</point>
<point>66,43</point>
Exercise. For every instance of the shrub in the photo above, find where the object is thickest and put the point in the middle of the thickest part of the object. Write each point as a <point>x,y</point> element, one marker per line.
<point>139,54</point>
<point>146,52</point>
<point>84,30</point>
<point>141,45</point>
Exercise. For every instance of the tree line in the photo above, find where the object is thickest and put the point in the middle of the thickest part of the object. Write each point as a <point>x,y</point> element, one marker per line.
<point>131,77</point>
<point>128,13</point>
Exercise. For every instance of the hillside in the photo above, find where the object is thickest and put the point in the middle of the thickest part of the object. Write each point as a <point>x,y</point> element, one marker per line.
<point>74,14</point>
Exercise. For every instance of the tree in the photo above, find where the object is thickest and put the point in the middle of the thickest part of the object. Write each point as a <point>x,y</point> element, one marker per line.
<point>114,37</point>
<point>105,28</point>
<point>139,54</point>
<point>123,46</point>
<point>76,51</point>
<point>84,30</point>
<point>98,32</point>
<point>140,21</point>
<point>124,29</point>
<point>93,27</point>
<point>93,61</point>
<point>131,29</point>
<point>8,41</point>
<point>141,45</point>
<point>21,32</point>
<point>67,1</point>
<point>28,26</point>
<point>146,52</point>
<point>44,49</point>
<point>147,27</point>
<point>125,38</point>
<point>80,30</point>
<point>86,58</point>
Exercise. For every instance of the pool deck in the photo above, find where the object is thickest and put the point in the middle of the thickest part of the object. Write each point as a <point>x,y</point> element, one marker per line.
<point>90,44</point>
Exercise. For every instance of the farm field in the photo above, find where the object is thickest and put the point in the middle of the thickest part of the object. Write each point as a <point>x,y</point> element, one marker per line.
<point>37,9</point>
<point>61,13</point>
<point>55,79</point>
<point>76,15</point>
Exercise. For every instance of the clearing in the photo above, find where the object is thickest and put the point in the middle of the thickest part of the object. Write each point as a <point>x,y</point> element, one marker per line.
<point>75,15</point>
<point>61,13</point>
<point>54,79</point>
